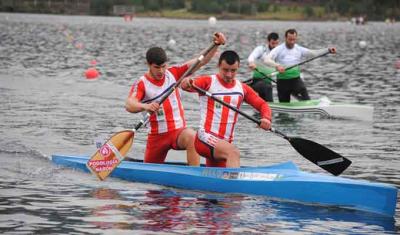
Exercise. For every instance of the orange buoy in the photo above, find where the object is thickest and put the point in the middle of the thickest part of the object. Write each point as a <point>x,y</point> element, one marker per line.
<point>91,73</point>
<point>397,64</point>
<point>79,45</point>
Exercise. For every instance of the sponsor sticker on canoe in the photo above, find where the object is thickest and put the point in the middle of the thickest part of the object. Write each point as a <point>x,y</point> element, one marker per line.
<point>258,176</point>
<point>229,175</point>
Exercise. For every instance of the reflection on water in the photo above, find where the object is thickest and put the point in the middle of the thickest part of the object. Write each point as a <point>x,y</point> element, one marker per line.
<point>61,207</point>
<point>185,212</point>
<point>47,106</point>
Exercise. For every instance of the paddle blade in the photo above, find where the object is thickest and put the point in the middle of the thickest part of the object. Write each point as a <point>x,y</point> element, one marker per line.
<point>110,155</point>
<point>321,155</point>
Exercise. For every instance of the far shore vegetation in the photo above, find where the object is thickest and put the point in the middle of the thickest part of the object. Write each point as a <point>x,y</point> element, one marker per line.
<point>221,9</point>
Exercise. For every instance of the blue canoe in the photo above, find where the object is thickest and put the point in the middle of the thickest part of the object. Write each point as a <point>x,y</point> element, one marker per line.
<point>283,181</point>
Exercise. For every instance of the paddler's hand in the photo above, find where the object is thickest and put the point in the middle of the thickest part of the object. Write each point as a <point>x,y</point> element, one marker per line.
<point>265,124</point>
<point>219,38</point>
<point>252,66</point>
<point>152,107</point>
<point>187,84</point>
<point>332,50</point>
<point>280,68</point>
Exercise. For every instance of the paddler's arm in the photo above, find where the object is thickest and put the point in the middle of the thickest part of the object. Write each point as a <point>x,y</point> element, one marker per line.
<point>269,60</point>
<point>251,97</point>
<point>202,82</point>
<point>218,39</point>
<point>254,55</point>
<point>313,53</point>
<point>133,103</point>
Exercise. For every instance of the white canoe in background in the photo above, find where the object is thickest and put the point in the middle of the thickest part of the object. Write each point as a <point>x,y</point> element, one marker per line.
<point>325,107</point>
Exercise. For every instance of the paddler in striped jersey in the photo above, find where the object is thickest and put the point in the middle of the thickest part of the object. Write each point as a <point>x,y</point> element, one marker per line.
<point>287,54</point>
<point>260,83</point>
<point>217,123</point>
<point>168,128</point>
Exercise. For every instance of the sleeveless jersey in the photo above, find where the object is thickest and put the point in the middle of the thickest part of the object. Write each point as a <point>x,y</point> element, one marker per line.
<point>170,116</point>
<point>216,118</point>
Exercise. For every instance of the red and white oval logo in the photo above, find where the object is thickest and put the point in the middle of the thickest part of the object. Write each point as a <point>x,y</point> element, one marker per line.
<point>105,151</point>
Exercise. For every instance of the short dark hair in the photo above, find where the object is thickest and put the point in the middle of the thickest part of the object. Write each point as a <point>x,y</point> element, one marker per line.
<point>290,31</point>
<point>156,55</point>
<point>272,36</point>
<point>230,57</point>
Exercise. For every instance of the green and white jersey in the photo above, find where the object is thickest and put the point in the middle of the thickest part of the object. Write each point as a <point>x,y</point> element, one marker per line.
<point>263,70</point>
<point>258,55</point>
<point>281,55</point>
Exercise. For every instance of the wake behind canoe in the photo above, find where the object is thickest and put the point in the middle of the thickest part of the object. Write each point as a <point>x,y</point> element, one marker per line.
<point>283,181</point>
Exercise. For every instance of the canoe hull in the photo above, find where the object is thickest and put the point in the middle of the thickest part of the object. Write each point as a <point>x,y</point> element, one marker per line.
<point>283,181</point>
<point>326,109</point>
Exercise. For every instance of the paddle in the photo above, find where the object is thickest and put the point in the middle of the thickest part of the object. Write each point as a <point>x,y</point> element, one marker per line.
<point>314,152</point>
<point>113,151</point>
<point>268,76</point>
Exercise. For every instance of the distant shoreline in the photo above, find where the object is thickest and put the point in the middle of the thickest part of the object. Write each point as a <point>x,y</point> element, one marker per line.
<point>280,16</point>
<point>232,17</point>
<point>184,14</point>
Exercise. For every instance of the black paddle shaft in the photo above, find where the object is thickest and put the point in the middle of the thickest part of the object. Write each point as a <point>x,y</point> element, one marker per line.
<point>320,155</point>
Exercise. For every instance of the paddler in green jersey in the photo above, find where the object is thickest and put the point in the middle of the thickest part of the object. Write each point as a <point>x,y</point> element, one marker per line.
<point>287,54</point>
<point>260,83</point>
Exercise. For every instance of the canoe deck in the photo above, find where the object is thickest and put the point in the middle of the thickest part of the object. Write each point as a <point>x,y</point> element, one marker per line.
<point>283,181</point>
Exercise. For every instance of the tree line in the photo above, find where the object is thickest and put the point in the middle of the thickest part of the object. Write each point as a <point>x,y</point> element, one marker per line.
<point>372,9</point>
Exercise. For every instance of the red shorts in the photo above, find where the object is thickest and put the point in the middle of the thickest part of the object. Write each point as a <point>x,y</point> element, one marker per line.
<point>205,146</point>
<point>158,145</point>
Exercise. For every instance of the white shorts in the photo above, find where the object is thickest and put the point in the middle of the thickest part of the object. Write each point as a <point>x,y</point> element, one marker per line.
<point>207,138</point>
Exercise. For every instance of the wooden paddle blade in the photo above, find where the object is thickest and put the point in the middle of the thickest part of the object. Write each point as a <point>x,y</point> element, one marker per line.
<point>320,155</point>
<point>110,155</point>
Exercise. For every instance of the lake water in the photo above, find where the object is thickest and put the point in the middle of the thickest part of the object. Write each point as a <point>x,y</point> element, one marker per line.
<point>47,107</point>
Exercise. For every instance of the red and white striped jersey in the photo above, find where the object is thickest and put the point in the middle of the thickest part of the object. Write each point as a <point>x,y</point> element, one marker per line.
<point>170,116</point>
<point>218,119</point>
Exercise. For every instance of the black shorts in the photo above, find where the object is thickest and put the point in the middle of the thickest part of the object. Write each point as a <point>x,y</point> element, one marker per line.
<point>263,89</point>
<point>294,86</point>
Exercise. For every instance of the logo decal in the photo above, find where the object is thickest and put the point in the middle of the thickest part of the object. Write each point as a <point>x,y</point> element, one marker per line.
<point>105,151</point>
